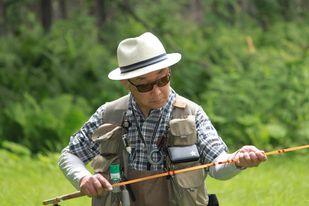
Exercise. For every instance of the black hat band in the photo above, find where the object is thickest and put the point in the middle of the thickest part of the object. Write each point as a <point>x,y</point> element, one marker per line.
<point>144,63</point>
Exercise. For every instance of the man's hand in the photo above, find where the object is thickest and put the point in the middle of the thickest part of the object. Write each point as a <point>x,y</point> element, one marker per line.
<point>94,185</point>
<point>249,156</point>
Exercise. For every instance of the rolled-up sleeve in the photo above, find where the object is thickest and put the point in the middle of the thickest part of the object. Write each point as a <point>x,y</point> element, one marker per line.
<point>81,150</point>
<point>81,143</point>
<point>209,143</point>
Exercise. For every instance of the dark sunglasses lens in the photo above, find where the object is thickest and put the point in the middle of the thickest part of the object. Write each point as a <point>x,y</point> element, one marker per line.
<point>148,87</point>
<point>144,87</point>
<point>163,81</point>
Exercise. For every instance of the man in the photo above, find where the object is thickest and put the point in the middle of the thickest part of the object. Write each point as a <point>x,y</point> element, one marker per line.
<point>161,127</point>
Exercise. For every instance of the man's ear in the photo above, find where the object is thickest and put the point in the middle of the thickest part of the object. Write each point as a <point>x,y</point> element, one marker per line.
<point>125,83</point>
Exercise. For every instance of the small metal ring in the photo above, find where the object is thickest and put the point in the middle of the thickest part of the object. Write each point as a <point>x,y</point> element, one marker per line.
<point>150,159</point>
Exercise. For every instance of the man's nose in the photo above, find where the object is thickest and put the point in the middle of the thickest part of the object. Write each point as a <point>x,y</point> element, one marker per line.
<point>156,90</point>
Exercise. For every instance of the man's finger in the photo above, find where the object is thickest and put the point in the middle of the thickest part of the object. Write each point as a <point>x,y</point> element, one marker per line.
<point>99,189</point>
<point>105,184</point>
<point>261,155</point>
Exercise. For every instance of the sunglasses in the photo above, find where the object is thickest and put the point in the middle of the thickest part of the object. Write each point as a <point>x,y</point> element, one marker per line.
<point>148,87</point>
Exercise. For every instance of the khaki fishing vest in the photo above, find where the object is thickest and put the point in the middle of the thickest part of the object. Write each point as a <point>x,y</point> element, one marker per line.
<point>183,189</point>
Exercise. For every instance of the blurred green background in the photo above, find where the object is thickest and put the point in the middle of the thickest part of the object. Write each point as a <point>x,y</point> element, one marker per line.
<point>246,62</point>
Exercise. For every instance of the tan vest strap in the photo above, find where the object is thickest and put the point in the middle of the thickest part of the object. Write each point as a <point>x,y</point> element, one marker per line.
<point>179,104</point>
<point>114,111</point>
<point>183,107</point>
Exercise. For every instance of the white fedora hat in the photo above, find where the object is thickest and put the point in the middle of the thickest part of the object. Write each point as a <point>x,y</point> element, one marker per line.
<point>141,55</point>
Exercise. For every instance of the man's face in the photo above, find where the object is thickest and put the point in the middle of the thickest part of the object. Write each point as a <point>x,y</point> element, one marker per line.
<point>157,96</point>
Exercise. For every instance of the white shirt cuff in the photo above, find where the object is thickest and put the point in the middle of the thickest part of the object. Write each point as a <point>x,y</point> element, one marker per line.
<point>224,171</point>
<point>72,167</point>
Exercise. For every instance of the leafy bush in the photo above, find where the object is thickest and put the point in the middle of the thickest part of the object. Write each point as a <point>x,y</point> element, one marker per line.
<point>261,98</point>
<point>38,70</point>
<point>50,80</point>
<point>69,59</point>
<point>45,125</point>
<point>17,149</point>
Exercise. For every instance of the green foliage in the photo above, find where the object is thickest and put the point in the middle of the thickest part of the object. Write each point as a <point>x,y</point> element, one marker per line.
<point>261,98</point>
<point>38,70</point>
<point>16,148</point>
<point>257,95</point>
<point>45,125</point>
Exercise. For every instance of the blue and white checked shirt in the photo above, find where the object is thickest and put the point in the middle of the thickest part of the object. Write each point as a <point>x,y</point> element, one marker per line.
<point>209,144</point>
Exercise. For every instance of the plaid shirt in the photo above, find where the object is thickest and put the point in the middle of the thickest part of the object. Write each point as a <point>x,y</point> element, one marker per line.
<point>209,144</point>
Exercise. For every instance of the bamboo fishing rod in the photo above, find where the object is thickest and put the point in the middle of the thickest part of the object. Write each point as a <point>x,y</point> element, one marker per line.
<point>58,199</point>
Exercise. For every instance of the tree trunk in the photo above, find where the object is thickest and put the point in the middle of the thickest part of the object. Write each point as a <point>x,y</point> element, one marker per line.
<point>46,14</point>
<point>63,9</point>
<point>197,11</point>
<point>125,6</point>
<point>100,11</point>
<point>305,6</point>
<point>2,18</point>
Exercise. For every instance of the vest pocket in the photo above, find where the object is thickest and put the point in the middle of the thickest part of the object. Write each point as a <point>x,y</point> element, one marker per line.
<point>101,165</point>
<point>109,137</point>
<point>188,188</point>
<point>111,146</point>
<point>107,199</point>
<point>182,131</point>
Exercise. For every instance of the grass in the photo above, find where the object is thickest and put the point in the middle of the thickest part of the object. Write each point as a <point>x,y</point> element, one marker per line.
<point>282,180</point>
<point>26,181</point>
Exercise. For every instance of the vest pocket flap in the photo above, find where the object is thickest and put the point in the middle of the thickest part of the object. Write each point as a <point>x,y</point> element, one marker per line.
<point>109,137</point>
<point>192,179</point>
<point>101,163</point>
<point>111,147</point>
<point>98,164</point>
<point>105,132</point>
<point>182,131</point>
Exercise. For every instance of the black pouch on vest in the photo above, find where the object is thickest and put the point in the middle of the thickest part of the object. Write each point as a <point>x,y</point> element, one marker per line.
<point>183,153</point>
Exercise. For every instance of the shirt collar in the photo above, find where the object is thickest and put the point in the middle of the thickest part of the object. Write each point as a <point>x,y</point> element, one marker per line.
<point>166,108</point>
